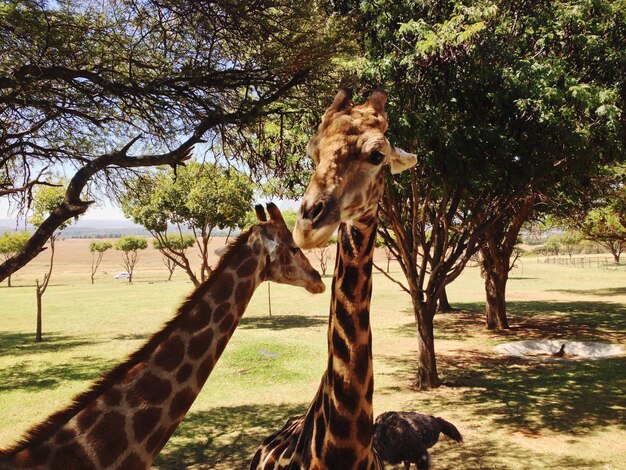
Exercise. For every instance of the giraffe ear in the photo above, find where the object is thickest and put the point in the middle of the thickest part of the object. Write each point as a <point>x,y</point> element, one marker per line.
<point>342,100</point>
<point>401,160</point>
<point>378,100</point>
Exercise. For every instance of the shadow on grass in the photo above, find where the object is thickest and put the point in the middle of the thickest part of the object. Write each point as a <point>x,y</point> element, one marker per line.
<point>30,376</point>
<point>580,320</point>
<point>20,344</point>
<point>224,437</point>
<point>282,322</point>
<point>606,292</point>
<point>526,396</point>
<point>487,453</point>
<point>131,337</point>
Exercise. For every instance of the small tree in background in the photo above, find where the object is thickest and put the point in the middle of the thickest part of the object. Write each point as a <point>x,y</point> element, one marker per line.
<point>322,254</point>
<point>607,227</point>
<point>553,245</point>
<point>173,250</point>
<point>97,252</point>
<point>11,243</point>
<point>569,241</point>
<point>45,200</point>
<point>130,246</point>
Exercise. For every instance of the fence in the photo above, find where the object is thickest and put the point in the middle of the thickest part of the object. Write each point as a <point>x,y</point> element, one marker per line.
<point>584,262</point>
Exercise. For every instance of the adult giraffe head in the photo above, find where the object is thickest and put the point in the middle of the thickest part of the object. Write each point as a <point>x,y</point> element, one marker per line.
<point>350,151</point>
<point>286,263</point>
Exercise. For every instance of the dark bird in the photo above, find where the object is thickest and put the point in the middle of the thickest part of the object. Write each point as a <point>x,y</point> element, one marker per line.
<point>561,351</point>
<point>404,436</point>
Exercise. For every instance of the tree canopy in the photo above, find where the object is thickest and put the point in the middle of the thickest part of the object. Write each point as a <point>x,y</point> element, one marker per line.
<point>130,245</point>
<point>200,198</point>
<point>77,76</point>
<point>501,101</point>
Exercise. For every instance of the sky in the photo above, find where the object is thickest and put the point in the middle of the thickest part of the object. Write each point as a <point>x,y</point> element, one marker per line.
<point>107,211</point>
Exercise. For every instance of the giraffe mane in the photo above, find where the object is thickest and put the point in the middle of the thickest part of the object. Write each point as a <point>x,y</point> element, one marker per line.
<point>42,431</point>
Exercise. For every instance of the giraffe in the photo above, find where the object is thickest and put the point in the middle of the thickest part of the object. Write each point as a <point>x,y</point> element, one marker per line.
<point>350,151</point>
<point>127,416</point>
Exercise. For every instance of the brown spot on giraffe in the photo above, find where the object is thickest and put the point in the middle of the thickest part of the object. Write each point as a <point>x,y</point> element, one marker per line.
<point>170,353</point>
<point>198,343</point>
<point>223,288</point>
<point>71,457</point>
<point>144,420</point>
<point>248,268</point>
<point>181,403</point>
<point>221,311</point>
<point>107,437</point>
<point>184,372</point>
<point>204,370</point>
<point>149,388</point>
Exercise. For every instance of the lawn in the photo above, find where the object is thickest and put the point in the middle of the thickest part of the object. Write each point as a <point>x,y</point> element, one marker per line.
<point>513,413</point>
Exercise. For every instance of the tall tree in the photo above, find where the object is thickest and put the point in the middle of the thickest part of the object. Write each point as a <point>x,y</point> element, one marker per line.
<point>75,76</point>
<point>501,101</point>
<point>46,199</point>
<point>174,251</point>
<point>200,198</point>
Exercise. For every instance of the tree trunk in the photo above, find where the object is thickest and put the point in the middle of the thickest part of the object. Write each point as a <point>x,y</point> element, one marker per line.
<point>39,296</point>
<point>444,305</point>
<point>495,290</point>
<point>427,377</point>
<point>269,298</point>
<point>9,280</point>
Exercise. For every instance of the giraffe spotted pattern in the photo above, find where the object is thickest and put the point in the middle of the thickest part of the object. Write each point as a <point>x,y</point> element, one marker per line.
<point>127,417</point>
<point>349,150</point>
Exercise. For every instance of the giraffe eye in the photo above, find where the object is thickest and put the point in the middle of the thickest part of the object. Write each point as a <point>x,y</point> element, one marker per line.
<point>376,157</point>
<point>294,249</point>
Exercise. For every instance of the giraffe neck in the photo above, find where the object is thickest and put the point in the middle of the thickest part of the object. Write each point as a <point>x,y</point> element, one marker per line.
<point>126,418</point>
<point>341,416</point>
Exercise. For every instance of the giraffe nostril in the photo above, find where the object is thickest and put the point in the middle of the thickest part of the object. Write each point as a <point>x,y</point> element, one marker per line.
<point>317,211</point>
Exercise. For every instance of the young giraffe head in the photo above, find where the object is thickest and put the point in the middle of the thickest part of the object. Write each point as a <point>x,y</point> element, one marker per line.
<point>286,263</point>
<point>349,150</point>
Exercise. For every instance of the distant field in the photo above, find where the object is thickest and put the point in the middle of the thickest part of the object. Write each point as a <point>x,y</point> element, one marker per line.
<point>513,413</point>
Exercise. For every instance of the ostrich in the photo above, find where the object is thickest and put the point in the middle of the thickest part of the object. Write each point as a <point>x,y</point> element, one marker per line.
<point>404,436</point>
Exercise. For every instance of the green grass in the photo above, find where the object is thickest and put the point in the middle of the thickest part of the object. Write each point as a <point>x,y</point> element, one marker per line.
<point>513,413</point>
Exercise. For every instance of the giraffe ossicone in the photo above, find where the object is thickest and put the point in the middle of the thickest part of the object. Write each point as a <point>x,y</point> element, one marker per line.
<point>350,151</point>
<point>126,417</point>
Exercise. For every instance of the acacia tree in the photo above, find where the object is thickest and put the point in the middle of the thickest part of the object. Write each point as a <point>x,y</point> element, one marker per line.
<point>489,95</point>
<point>130,245</point>
<point>174,251</point>
<point>570,240</point>
<point>11,243</point>
<point>201,198</point>
<point>46,199</point>
<point>323,255</point>
<point>75,76</point>
<point>607,227</point>
<point>97,250</point>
